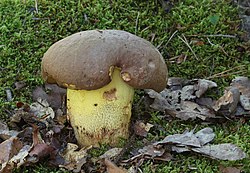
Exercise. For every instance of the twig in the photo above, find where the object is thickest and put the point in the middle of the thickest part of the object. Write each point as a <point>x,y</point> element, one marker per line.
<point>153,37</point>
<point>221,48</point>
<point>139,170</point>
<point>224,75</point>
<point>210,42</point>
<point>171,37</point>
<point>227,72</point>
<point>145,29</point>
<point>215,35</point>
<point>221,35</point>
<point>136,22</point>
<point>184,40</point>
<point>36,6</point>
<point>37,18</point>
<point>40,103</point>
<point>159,46</point>
<point>175,58</point>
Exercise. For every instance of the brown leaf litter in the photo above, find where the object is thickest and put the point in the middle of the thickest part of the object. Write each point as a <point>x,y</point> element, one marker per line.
<point>188,141</point>
<point>185,99</point>
<point>40,131</point>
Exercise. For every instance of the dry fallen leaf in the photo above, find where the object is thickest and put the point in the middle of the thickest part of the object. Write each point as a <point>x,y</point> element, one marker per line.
<point>205,135</point>
<point>52,93</point>
<point>41,138</point>
<point>227,104</point>
<point>40,149</point>
<point>74,159</point>
<point>176,83</point>
<point>202,86</point>
<point>245,102</point>
<point>8,149</point>
<point>19,159</point>
<point>191,110</point>
<point>185,139</point>
<point>41,109</point>
<point>199,142</point>
<point>5,133</point>
<point>179,99</point>
<point>112,168</point>
<point>241,112</point>
<point>243,84</point>
<point>222,151</point>
<point>165,157</point>
<point>113,152</point>
<point>152,151</point>
<point>184,99</point>
<point>19,85</point>
<point>186,142</point>
<point>142,129</point>
<point>3,126</point>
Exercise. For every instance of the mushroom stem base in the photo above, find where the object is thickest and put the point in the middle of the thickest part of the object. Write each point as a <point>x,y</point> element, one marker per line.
<point>102,115</point>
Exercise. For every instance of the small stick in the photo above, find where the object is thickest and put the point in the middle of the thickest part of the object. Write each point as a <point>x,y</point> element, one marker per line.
<point>216,35</point>
<point>185,41</point>
<point>171,37</point>
<point>37,18</point>
<point>152,39</point>
<point>36,6</point>
<point>176,57</point>
<point>221,48</point>
<point>229,70</point>
<point>146,28</point>
<point>210,42</point>
<point>224,73</point>
<point>136,22</point>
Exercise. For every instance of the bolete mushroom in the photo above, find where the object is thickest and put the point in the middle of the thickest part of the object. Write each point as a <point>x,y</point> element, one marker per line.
<point>100,69</point>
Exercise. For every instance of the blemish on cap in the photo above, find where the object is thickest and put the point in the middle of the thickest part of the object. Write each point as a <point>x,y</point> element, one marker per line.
<point>126,76</point>
<point>151,64</point>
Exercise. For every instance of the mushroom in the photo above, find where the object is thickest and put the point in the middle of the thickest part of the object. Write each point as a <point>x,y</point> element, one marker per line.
<point>101,69</point>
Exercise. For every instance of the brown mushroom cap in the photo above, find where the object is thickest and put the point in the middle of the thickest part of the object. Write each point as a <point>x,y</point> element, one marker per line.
<point>83,61</point>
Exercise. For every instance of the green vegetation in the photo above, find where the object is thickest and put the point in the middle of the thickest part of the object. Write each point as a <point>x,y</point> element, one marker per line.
<point>26,34</point>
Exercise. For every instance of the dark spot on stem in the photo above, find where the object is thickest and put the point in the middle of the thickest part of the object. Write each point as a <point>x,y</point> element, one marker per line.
<point>110,95</point>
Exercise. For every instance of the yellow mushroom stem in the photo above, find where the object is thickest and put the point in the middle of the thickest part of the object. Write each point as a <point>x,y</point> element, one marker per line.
<point>102,115</point>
